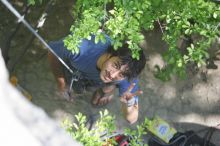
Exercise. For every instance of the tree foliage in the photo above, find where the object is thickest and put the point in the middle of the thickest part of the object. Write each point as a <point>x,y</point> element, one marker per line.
<point>33,2</point>
<point>124,20</point>
<point>102,132</point>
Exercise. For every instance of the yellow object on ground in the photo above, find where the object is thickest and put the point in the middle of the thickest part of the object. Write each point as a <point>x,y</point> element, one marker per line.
<point>14,82</point>
<point>160,128</point>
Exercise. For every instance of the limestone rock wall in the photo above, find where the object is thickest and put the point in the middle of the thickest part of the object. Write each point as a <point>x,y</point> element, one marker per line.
<point>23,123</point>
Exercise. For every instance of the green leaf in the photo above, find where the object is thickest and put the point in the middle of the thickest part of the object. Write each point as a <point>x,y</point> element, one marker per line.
<point>96,39</point>
<point>203,32</point>
<point>112,12</point>
<point>31,2</point>
<point>89,37</point>
<point>179,63</point>
<point>184,26</point>
<point>102,38</point>
<point>215,15</point>
<point>192,46</point>
<point>187,31</point>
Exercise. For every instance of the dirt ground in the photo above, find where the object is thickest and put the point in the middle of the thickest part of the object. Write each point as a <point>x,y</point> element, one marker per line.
<point>193,103</point>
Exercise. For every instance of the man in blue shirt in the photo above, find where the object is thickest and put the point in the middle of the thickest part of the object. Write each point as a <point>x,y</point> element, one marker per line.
<point>106,68</point>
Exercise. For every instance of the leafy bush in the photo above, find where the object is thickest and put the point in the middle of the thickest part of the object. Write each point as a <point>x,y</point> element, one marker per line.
<point>126,19</point>
<point>87,137</point>
<point>105,125</point>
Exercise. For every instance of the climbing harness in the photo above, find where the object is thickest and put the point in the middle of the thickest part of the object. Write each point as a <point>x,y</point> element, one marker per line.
<point>21,19</point>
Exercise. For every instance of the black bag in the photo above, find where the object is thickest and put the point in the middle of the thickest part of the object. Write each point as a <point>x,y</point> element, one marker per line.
<point>189,138</point>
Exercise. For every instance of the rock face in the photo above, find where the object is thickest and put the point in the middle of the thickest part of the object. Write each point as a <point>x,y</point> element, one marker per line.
<point>23,123</point>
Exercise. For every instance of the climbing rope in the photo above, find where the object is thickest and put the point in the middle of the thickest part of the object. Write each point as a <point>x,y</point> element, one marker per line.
<point>39,24</point>
<point>21,19</point>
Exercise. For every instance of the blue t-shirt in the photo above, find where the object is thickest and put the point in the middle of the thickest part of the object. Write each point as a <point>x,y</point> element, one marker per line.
<point>86,60</point>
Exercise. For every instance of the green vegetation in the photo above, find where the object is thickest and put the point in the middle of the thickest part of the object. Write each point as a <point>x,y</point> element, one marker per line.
<point>81,133</point>
<point>33,2</point>
<point>127,19</point>
<point>104,125</point>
